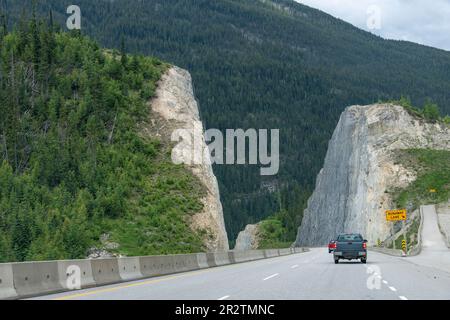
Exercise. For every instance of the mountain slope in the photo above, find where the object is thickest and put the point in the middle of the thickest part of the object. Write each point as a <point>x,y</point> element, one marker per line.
<point>174,107</point>
<point>266,64</point>
<point>76,171</point>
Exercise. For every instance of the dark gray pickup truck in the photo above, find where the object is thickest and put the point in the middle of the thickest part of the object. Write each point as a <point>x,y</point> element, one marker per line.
<point>350,246</point>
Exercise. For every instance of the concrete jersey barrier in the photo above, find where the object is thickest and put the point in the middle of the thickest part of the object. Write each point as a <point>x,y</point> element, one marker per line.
<point>284,252</point>
<point>72,271</point>
<point>241,256</point>
<point>211,259</point>
<point>7,290</point>
<point>130,268</point>
<point>105,271</point>
<point>202,261</point>
<point>256,254</point>
<point>271,253</point>
<point>152,266</point>
<point>222,258</point>
<point>186,262</point>
<point>36,278</point>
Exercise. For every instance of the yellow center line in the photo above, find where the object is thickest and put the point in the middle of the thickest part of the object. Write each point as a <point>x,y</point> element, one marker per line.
<point>84,294</point>
<point>153,281</point>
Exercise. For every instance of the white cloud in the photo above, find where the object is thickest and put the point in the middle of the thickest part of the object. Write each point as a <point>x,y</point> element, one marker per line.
<point>422,21</point>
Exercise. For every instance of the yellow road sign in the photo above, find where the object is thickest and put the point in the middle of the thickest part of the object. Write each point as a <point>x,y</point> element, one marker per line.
<point>396,215</point>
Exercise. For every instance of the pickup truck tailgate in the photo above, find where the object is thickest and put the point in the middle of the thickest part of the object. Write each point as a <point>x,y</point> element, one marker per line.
<point>350,246</point>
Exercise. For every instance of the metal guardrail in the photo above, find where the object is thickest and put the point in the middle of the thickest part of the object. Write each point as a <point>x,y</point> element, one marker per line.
<point>414,251</point>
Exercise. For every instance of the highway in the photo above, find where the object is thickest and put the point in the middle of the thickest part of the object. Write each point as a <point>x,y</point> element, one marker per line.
<point>309,275</point>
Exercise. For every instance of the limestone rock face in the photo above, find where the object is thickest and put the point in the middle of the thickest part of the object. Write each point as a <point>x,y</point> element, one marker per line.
<point>350,193</point>
<point>248,238</point>
<point>175,108</point>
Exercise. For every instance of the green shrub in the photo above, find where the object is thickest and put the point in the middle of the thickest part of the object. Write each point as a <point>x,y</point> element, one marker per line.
<point>273,234</point>
<point>431,111</point>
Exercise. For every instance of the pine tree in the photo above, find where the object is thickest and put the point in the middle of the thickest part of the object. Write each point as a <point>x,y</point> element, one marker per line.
<point>124,57</point>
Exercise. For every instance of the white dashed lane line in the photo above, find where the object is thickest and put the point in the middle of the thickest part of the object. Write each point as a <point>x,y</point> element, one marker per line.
<point>386,283</point>
<point>294,266</point>
<point>224,298</point>
<point>272,276</point>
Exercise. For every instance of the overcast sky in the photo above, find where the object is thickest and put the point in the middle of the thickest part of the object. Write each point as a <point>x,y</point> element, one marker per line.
<point>422,21</point>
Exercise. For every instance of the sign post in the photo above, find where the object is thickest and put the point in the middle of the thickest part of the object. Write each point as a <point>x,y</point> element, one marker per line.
<point>398,215</point>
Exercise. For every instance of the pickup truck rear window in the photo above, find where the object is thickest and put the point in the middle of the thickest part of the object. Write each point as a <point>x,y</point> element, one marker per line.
<point>350,237</point>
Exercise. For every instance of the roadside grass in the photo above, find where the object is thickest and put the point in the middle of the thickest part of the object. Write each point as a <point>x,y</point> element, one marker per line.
<point>271,233</point>
<point>159,223</point>
<point>433,178</point>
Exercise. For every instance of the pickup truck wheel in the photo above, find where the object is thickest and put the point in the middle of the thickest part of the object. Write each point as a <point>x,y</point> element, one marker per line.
<point>336,261</point>
<point>364,260</point>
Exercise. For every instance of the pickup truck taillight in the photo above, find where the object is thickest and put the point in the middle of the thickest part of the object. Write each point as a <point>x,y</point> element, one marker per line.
<point>364,245</point>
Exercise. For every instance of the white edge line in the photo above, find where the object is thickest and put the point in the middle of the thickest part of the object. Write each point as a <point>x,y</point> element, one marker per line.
<point>272,276</point>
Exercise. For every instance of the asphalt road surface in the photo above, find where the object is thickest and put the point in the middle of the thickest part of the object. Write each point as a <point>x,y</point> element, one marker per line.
<point>311,275</point>
<point>435,252</point>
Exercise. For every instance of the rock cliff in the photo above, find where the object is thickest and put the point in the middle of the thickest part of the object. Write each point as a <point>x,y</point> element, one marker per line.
<point>174,108</point>
<point>360,166</point>
<point>248,239</point>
